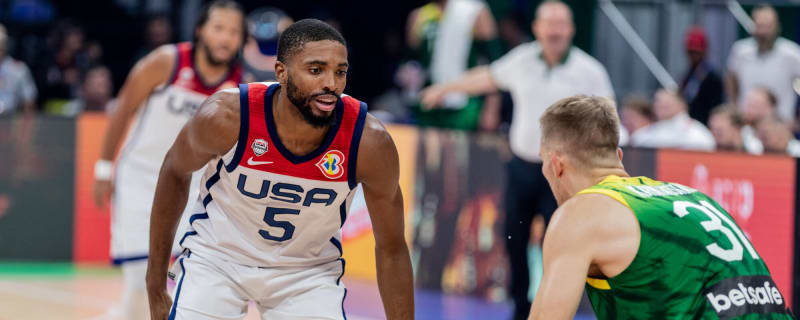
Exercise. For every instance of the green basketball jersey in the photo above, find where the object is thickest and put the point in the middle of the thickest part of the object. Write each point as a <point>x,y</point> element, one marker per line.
<point>693,261</point>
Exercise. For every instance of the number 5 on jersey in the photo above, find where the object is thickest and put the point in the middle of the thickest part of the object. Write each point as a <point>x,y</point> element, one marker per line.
<point>269,218</point>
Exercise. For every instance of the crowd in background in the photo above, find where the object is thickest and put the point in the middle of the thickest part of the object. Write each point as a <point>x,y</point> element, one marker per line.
<point>749,105</point>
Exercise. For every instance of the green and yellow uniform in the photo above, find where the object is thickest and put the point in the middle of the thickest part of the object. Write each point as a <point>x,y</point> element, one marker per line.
<point>693,261</point>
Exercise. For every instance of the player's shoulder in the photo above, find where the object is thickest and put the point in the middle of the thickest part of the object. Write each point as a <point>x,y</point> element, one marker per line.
<point>591,209</point>
<point>159,62</point>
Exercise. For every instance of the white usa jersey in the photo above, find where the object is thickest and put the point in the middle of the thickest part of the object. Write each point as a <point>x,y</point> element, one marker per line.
<point>261,205</point>
<point>167,110</point>
<point>154,129</point>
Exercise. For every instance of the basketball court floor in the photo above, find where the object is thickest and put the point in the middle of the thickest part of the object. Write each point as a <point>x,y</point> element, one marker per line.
<point>68,292</point>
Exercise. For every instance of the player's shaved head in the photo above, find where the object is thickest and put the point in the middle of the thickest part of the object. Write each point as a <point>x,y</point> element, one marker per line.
<point>301,32</point>
<point>584,128</point>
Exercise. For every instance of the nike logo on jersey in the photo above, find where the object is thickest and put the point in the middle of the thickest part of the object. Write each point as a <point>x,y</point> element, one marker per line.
<point>257,163</point>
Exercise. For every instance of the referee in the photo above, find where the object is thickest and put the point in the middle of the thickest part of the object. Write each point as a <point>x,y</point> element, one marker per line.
<point>537,74</point>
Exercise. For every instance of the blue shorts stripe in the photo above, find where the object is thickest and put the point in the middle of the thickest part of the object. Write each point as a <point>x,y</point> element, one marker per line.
<point>196,216</point>
<point>339,280</point>
<point>344,314</point>
<point>177,293</point>
<point>190,233</point>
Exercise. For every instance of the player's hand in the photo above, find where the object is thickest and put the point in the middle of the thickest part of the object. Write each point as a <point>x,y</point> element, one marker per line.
<point>432,96</point>
<point>102,191</point>
<point>160,304</point>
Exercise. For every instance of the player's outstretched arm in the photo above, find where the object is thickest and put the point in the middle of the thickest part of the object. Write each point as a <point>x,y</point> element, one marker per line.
<point>379,171</point>
<point>212,132</point>
<point>589,233</point>
<point>149,72</point>
<point>476,81</point>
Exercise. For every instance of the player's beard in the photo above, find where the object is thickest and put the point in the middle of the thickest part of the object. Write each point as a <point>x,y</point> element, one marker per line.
<point>210,57</point>
<point>303,104</point>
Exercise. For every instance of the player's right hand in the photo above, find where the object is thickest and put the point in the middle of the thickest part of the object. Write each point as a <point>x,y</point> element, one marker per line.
<point>432,96</point>
<point>102,191</point>
<point>160,304</point>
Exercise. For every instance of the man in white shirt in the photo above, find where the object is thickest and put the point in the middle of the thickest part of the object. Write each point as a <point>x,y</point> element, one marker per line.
<point>537,74</point>
<point>674,128</point>
<point>765,60</point>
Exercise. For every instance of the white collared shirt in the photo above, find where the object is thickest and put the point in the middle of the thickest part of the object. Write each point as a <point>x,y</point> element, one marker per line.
<point>680,132</point>
<point>534,86</point>
<point>775,70</point>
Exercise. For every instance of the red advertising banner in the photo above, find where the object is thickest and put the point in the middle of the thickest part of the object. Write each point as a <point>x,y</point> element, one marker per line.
<point>92,231</point>
<point>758,191</point>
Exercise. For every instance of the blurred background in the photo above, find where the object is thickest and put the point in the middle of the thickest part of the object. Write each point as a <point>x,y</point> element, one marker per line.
<point>706,89</point>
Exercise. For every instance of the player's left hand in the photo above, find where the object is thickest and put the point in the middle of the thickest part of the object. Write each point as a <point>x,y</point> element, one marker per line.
<point>160,303</point>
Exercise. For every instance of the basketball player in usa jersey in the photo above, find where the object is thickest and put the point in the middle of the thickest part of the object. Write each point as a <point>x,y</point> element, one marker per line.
<point>281,164</point>
<point>161,94</point>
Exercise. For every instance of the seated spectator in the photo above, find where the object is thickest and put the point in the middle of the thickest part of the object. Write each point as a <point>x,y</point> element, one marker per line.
<point>637,113</point>
<point>17,89</point>
<point>59,75</point>
<point>702,85</point>
<point>158,32</point>
<point>777,137</point>
<point>673,128</point>
<point>765,60</point>
<point>758,104</point>
<point>726,127</point>
<point>95,94</point>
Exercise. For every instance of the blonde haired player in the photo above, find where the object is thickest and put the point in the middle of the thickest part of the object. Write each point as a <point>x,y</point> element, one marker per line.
<point>643,249</point>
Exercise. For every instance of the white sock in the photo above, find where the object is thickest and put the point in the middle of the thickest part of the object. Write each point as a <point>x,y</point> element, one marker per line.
<point>134,292</point>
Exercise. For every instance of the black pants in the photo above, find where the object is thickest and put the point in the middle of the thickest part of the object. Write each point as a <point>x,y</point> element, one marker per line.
<point>527,194</point>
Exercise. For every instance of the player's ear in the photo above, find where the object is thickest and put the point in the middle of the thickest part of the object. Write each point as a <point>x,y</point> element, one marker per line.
<point>557,164</point>
<point>280,72</point>
<point>619,153</point>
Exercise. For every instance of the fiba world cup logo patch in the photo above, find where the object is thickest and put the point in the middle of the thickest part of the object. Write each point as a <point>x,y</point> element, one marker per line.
<point>332,164</point>
<point>259,147</point>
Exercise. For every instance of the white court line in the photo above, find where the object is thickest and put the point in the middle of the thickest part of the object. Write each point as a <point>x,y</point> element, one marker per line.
<point>70,299</point>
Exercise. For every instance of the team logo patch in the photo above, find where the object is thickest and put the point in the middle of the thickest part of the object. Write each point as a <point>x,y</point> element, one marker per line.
<point>259,147</point>
<point>332,164</point>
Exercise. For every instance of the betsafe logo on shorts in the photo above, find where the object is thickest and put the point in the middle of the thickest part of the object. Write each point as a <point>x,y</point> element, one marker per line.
<point>738,296</point>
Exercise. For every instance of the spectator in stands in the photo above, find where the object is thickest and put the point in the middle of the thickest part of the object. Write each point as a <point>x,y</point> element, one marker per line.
<point>59,75</point>
<point>260,51</point>
<point>17,89</point>
<point>447,38</point>
<point>758,104</point>
<point>726,126</point>
<point>777,137</point>
<point>95,95</point>
<point>537,75</point>
<point>765,60</point>
<point>702,86</point>
<point>158,32</point>
<point>673,128</point>
<point>637,113</point>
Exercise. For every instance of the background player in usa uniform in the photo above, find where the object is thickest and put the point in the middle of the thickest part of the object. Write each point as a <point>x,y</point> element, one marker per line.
<point>643,249</point>
<point>161,93</point>
<point>282,161</point>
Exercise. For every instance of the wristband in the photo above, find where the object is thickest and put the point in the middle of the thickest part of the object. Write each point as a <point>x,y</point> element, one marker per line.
<point>103,169</point>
